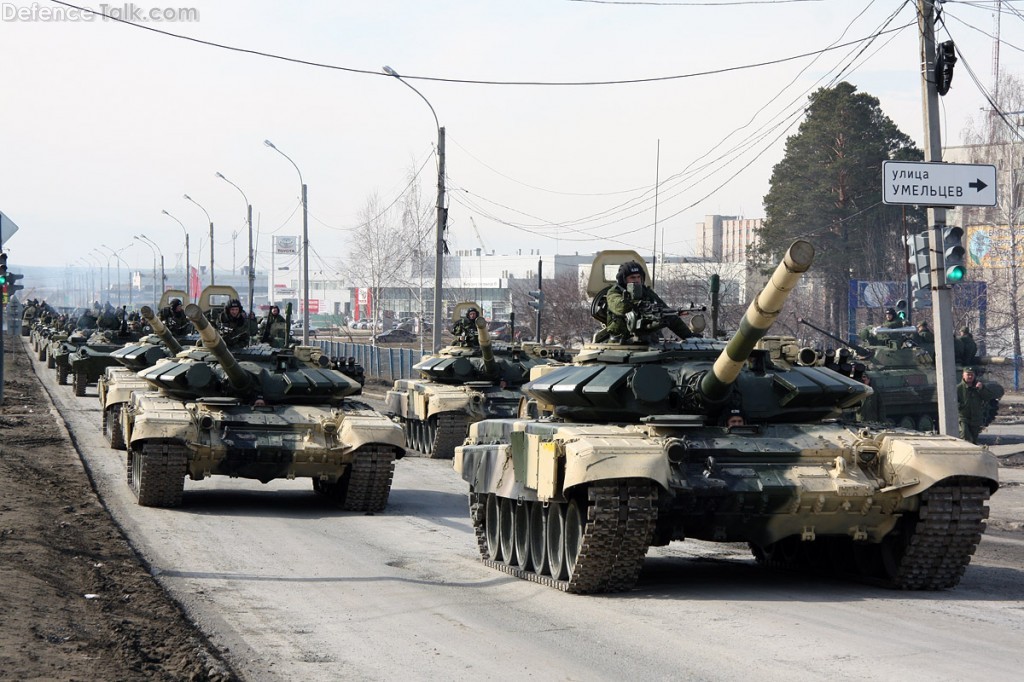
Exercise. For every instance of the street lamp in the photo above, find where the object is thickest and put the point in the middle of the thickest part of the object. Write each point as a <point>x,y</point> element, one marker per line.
<point>117,256</point>
<point>155,249</point>
<point>442,213</point>
<point>188,288</point>
<point>248,217</point>
<point>210,220</point>
<point>101,256</point>
<point>305,247</point>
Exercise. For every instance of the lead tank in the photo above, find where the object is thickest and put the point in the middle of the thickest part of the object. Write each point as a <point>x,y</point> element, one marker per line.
<point>635,453</point>
<point>261,413</point>
<point>463,384</point>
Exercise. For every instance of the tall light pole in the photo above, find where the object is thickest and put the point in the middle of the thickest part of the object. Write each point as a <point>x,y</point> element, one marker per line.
<point>116,255</point>
<point>442,214</point>
<point>210,220</point>
<point>188,288</point>
<point>305,247</point>
<point>248,218</point>
<point>153,248</point>
<point>101,256</point>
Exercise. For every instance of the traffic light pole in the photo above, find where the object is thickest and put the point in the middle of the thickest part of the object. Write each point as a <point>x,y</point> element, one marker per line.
<point>942,309</point>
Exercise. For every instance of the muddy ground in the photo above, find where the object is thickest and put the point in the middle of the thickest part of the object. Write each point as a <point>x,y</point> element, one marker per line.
<point>75,601</point>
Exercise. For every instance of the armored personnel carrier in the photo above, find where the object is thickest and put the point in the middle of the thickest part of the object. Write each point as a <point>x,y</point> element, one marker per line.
<point>464,383</point>
<point>902,373</point>
<point>637,452</point>
<point>261,413</point>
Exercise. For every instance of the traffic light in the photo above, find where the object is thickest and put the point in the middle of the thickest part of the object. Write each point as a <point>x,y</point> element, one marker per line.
<point>3,268</point>
<point>12,285</point>
<point>921,281</point>
<point>901,310</point>
<point>945,58</point>
<point>538,299</point>
<point>953,253</point>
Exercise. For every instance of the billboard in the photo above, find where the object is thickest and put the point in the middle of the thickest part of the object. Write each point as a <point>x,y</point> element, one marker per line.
<point>286,245</point>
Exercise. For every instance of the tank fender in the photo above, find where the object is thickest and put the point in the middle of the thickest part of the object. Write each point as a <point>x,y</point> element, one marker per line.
<point>164,424</point>
<point>916,463</point>
<point>601,453</point>
<point>357,431</point>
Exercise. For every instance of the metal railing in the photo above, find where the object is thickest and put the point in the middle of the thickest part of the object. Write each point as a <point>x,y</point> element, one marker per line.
<point>379,362</point>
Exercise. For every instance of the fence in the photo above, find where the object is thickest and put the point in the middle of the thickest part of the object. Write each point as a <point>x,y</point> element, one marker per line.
<point>379,362</point>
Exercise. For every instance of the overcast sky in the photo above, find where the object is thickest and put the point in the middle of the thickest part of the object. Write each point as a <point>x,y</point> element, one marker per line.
<point>105,124</point>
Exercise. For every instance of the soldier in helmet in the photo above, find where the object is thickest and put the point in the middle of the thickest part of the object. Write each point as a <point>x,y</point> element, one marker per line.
<point>465,329</point>
<point>174,318</point>
<point>967,347</point>
<point>624,298</point>
<point>274,328</point>
<point>892,320</point>
<point>234,325</point>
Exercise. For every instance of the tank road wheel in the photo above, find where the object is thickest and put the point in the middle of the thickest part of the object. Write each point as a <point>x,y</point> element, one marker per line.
<point>158,474</point>
<point>573,535</point>
<point>421,436</point>
<point>538,541</point>
<point>80,381</point>
<point>368,484</point>
<point>506,530</point>
<point>925,423</point>
<point>444,432</point>
<point>112,419</point>
<point>521,517</point>
<point>930,549</point>
<point>907,422</point>
<point>407,429</point>
<point>555,542</point>
<point>62,375</point>
<point>491,523</point>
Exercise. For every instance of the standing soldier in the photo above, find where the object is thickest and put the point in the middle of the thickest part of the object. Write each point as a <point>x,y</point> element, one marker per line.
<point>465,328</point>
<point>274,328</point>
<point>972,398</point>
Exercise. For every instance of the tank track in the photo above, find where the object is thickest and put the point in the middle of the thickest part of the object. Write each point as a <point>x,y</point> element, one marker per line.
<point>369,480</point>
<point>448,432</point>
<point>79,381</point>
<point>928,550</point>
<point>112,427</point>
<point>619,527</point>
<point>157,474</point>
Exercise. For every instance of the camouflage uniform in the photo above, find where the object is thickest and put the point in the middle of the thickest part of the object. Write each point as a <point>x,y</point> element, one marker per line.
<point>234,328</point>
<point>621,302</point>
<point>972,402</point>
<point>274,330</point>
<point>465,329</point>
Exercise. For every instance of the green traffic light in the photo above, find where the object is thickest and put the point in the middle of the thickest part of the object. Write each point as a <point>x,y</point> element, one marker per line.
<point>3,279</point>
<point>955,274</point>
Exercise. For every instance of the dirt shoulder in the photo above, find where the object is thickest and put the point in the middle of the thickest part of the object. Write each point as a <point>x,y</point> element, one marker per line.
<point>75,601</point>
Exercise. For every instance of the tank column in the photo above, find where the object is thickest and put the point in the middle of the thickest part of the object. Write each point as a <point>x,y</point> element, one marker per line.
<point>162,331</point>
<point>760,316</point>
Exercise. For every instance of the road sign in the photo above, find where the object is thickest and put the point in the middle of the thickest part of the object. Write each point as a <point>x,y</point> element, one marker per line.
<point>7,228</point>
<point>921,183</point>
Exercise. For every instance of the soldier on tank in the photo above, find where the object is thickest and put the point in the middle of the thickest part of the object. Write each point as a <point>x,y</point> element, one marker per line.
<point>626,298</point>
<point>465,330</point>
<point>274,328</point>
<point>967,347</point>
<point>234,325</point>
<point>892,320</point>
<point>173,317</point>
<point>924,334</point>
<point>87,320</point>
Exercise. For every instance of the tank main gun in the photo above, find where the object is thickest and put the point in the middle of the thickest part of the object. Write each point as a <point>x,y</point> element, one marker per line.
<point>760,316</point>
<point>486,349</point>
<point>160,330</point>
<point>214,343</point>
<point>863,352</point>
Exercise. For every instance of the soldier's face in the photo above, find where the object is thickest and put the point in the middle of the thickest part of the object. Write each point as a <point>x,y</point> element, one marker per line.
<point>968,377</point>
<point>635,278</point>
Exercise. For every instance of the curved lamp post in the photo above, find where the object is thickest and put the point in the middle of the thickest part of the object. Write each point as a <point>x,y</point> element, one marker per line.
<point>248,218</point>
<point>305,247</point>
<point>163,278</point>
<point>210,220</point>
<point>442,213</point>
<point>188,288</point>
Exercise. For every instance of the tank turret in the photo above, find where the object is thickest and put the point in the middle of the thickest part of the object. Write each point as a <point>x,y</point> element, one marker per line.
<point>213,342</point>
<point>160,329</point>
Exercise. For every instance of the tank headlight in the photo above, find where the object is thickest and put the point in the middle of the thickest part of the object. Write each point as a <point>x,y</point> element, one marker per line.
<point>675,450</point>
<point>206,422</point>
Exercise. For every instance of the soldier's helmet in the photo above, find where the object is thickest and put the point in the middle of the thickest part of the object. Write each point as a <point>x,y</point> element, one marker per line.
<point>235,303</point>
<point>472,313</point>
<point>175,303</point>
<point>890,311</point>
<point>629,268</point>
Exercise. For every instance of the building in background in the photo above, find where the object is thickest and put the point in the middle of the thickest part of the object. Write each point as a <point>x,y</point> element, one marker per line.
<point>726,239</point>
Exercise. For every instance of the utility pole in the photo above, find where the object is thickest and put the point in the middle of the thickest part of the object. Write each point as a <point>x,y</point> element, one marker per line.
<point>942,298</point>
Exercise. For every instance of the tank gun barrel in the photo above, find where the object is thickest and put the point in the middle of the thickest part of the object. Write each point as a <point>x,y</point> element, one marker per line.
<point>860,350</point>
<point>760,316</point>
<point>486,349</point>
<point>160,330</point>
<point>213,342</point>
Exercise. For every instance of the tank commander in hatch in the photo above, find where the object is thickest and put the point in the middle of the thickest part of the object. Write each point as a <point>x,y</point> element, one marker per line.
<point>624,300</point>
<point>173,317</point>
<point>465,329</point>
<point>234,325</point>
<point>734,418</point>
<point>892,320</point>
<point>274,329</point>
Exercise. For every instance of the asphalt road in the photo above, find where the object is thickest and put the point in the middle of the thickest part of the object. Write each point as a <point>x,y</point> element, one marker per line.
<point>294,589</point>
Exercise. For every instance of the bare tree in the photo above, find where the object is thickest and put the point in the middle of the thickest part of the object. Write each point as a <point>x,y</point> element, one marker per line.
<point>566,313</point>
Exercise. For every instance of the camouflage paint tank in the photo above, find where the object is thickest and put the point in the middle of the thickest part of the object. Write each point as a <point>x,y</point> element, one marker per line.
<point>261,413</point>
<point>462,385</point>
<point>635,453</point>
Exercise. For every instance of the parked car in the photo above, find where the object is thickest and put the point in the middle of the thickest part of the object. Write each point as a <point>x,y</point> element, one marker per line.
<point>297,330</point>
<point>396,336</point>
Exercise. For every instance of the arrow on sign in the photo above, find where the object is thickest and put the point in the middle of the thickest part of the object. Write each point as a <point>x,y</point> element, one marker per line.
<point>978,185</point>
